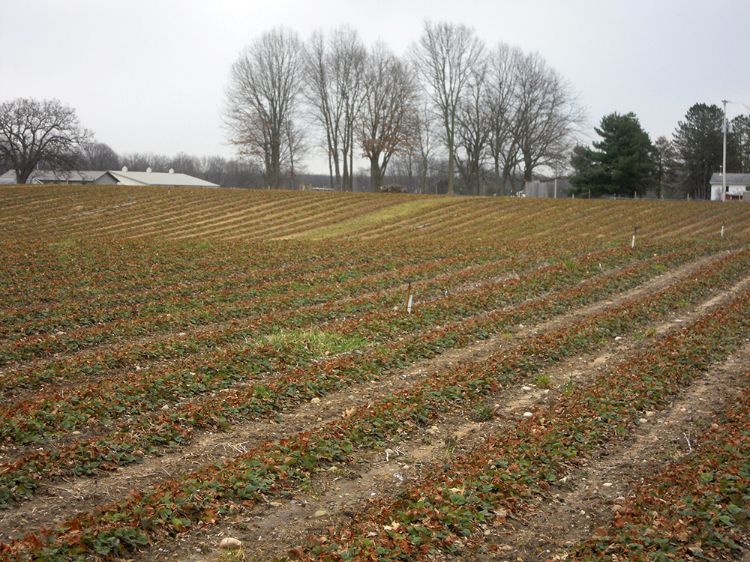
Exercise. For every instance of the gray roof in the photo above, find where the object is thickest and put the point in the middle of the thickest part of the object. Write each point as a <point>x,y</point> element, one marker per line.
<point>159,178</point>
<point>122,178</point>
<point>38,176</point>
<point>732,179</point>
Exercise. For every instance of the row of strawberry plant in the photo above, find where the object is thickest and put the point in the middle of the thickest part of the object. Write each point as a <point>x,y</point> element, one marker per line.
<point>107,361</point>
<point>696,507</point>
<point>217,412</point>
<point>72,409</point>
<point>204,313</point>
<point>161,313</point>
<point>126,269</point>
<point>174,506</point>
<point>446,511</point>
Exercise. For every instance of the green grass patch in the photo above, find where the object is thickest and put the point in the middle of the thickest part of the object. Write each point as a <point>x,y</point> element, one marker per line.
<point>372,220</point>
<point>313,342</point>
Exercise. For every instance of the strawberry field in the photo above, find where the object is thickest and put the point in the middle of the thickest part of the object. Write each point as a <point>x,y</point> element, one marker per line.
<point>326,376</point>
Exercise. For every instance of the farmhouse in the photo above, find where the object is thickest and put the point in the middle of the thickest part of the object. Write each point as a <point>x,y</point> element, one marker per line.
<point>738,187</point>
<point>111,177</point>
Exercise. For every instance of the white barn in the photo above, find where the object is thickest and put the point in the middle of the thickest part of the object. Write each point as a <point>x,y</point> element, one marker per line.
<point>738,187</point>
<point>111,177</point>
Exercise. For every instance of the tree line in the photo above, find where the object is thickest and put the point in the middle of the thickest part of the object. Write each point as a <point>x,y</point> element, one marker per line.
<point>482,119</point>
<point>47,135</point>
<point>624,162</point>
<point>452,116</point>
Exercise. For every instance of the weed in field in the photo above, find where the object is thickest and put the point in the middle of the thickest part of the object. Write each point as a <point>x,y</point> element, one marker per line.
<point>482,412</point>
<point>313,341</point>
<point>569,386</point>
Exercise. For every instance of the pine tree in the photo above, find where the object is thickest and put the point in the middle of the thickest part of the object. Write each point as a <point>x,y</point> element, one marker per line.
<point>622,163</point>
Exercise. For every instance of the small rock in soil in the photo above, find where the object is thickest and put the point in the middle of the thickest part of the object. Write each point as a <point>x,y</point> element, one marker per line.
<point>230,543</point>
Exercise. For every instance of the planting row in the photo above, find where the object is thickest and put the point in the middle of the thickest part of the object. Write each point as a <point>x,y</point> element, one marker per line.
<point>254,330</point>
<point>66,409</point>
<point>61,212</point>
<point>341,277</point>
<point>217,490</point>
<point>156,309</point>
<point>697,507</point>
<point>448,511</point>
<point>137,435</point>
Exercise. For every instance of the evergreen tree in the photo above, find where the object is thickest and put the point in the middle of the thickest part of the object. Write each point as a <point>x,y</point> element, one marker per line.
<point>667,167</point>
<point>622,163</point>
<point>741,133</point>
<point>699,142</point>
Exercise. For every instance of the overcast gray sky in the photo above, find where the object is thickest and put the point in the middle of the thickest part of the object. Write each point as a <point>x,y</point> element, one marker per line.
<point>149,75</point>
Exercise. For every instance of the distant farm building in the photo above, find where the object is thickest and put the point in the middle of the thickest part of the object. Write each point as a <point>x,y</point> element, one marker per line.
<point>111,177</point>
<point>738,187</point>
<point>48,176</point>
<point>551,189</point>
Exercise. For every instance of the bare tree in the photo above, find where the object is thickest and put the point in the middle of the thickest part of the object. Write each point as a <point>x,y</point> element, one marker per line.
<point>351,55</point>
<point>185,164</point>
<point>546,114</point>
<point>261,97</point>
<point>333,71</point>
<point>140,161</point>
<point>320,94</point>
<point>444,57</point>
<point>472,129</point>
<point>501,104</point>
<point>34,132</point>
<point>387,104</point>
<point>99,156</point>
<point>294,150</point>
<point>423,143</point>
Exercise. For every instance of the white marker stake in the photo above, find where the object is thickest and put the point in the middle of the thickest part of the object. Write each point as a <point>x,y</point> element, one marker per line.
<point>410,303</point>
<point>722,232</point>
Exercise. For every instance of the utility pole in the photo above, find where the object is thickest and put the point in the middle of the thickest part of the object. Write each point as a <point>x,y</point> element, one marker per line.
<point>724,162</point>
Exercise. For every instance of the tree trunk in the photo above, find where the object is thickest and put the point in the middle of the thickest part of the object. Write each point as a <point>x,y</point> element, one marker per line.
<point>351,159</point>
<point>528,168</point>
<point>376,178</point>
<point>276,162</point>
<point>450,168</point>
<point>22,176</point>
<point>345,182</point>
<point>336,166</point>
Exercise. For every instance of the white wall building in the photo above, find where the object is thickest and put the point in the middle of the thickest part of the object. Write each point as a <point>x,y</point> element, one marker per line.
<point>738,187</point>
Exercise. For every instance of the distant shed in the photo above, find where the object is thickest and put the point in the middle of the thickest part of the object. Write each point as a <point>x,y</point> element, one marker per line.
<point>738,187</point>
<point>110,177</point>
<point>76,177</point>
<point>126,177</point>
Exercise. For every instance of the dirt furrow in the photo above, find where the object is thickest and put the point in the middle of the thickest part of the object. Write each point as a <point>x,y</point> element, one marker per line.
<point>590,496</point>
